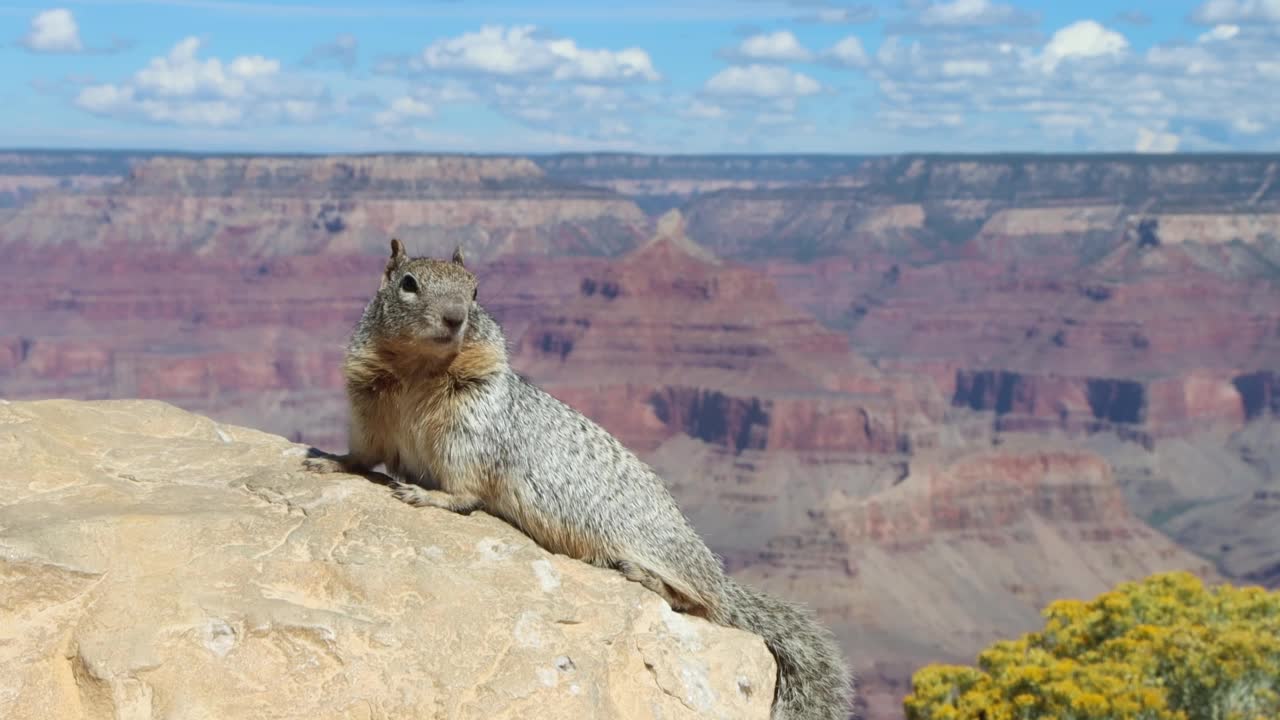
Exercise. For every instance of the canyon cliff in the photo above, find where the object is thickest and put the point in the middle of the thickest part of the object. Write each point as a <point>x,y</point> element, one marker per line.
<point>898,389</point>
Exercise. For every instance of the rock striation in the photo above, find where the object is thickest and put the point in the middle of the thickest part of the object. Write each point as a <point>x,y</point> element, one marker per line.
<point>670,339</point>
<point>928,557</point>
<point>155,563</point>
<point>1033,207</point>
<point>25,175</point>
<point>275,206</point>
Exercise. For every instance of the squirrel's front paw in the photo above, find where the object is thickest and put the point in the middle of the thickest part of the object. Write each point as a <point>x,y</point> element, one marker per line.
<point>422,497</point>
<point>323,465</point>
<point>411,494</point>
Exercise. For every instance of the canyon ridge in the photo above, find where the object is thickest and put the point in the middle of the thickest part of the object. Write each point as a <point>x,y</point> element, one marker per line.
<point>925,395</point>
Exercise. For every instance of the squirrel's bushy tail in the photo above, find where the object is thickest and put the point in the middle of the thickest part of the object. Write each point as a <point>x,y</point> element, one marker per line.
<point>814,683</point>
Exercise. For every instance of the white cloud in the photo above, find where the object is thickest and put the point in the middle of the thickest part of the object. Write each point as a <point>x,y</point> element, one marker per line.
<point>761,81</point>
<point>629,64</point>
<point>1247,126</point>
<point>780,46</point>
<point>597,113</point>
<point>446,91</point>
<point>775,119</point>
<point>402,110</point>
<point>585,110</point>
<point>847,52</point>
<point>832,16</point>
<point>524,50</point>
<point>1242,11</point>
<point>704,111</point>
<point>492,50</point>
<point>184,89</point>
<point>103,98</point>
<point>1155,141</point>
<point>535,114</point>
<point>905,119</point>
<point>843,15</point>
<point>969,13</point>
<point>1098,97</point>
<point>1064,121</point>
<point>54,31</point>
<point>1219,32</point>
<point>182,74</point>
<point>1081,39</point>
<point>1186,59</point>
<point>613,128</point>
<point>966,68</point>
<point>548,84</point>
<point>894,51</point>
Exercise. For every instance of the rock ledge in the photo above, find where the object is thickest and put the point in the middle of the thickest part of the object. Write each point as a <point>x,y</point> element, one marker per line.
<point>155,563</point>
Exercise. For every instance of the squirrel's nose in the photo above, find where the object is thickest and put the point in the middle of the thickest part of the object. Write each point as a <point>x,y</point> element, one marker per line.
<point>453,318</point>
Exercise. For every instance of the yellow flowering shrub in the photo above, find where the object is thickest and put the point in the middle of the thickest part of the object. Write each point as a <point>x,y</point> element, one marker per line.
<point>1167,648</point>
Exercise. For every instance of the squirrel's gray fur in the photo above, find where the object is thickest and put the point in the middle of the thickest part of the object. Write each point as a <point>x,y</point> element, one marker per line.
<point>434,399</point>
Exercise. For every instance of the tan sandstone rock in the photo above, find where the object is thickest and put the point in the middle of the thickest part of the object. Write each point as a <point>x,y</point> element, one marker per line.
<point>154,563</point>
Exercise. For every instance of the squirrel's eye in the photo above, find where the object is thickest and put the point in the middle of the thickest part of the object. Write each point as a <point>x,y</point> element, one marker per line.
<point>475,292</point>
<point>409,285</point>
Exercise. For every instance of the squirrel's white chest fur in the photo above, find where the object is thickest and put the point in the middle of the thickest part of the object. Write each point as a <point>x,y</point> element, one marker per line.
<point>442,440</point>
<point>456,449</point>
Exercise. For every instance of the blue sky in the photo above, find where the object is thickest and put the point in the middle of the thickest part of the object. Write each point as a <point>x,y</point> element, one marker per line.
<point>658,76</point>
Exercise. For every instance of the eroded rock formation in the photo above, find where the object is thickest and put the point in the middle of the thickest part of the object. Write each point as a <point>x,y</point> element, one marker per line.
<point>154,563</point>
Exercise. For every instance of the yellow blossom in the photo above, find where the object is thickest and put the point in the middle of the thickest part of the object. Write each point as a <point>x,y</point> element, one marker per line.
<point>1167,648</point>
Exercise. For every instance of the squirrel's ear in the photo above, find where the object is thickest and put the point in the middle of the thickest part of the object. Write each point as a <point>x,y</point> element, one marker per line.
<point>457,256</point>
<point>397,257</point>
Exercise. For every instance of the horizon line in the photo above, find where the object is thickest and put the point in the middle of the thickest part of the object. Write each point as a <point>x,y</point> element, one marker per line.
<point>1188,154</point>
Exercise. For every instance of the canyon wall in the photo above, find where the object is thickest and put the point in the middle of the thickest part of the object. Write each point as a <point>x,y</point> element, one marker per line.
<point>898,389</point>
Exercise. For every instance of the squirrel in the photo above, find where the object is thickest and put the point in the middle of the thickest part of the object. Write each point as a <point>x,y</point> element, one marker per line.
<point>433,398</point>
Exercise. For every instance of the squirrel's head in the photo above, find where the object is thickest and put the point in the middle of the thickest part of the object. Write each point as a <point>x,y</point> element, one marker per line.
<point>426,302</point>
